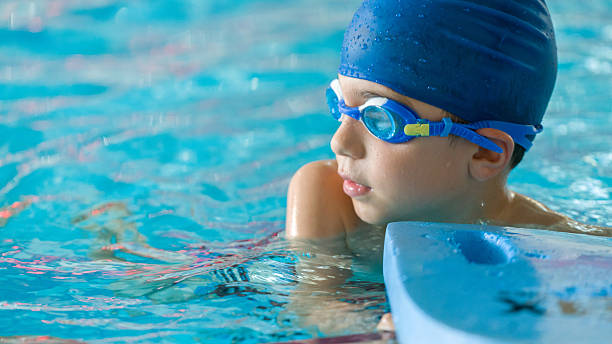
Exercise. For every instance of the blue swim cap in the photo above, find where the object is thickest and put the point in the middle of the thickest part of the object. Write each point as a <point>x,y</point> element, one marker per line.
<point>477,59</point>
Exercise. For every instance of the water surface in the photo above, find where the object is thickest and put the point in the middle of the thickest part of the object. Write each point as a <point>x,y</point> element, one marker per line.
<point>146,148</point>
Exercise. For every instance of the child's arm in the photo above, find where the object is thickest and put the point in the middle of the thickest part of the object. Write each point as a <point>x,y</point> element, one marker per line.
<point>316,205</point>
<point>323,266</point>
<point>319,215</point>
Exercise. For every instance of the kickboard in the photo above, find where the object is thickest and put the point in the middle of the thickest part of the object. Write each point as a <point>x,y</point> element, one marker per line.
<point>450,283</point>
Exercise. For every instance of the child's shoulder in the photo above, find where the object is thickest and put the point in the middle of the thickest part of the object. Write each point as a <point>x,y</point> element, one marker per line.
<point>527,212</point>
<point>316,205</point>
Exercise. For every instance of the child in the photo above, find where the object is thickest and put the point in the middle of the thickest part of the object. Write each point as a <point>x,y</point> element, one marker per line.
<point>438,100</point>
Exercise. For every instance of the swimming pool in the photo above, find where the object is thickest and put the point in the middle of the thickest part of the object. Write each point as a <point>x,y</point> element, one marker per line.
<point>164,134</point>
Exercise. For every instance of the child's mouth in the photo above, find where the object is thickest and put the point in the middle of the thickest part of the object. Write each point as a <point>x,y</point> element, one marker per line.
<point>353,189</point>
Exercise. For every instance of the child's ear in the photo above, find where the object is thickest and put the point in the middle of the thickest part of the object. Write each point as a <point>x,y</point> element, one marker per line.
<point>486,164</point>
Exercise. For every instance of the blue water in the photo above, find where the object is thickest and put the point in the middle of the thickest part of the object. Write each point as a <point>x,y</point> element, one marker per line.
<point>146,148</point>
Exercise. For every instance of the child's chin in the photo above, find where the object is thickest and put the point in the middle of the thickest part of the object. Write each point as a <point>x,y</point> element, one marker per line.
<point>370,214</point>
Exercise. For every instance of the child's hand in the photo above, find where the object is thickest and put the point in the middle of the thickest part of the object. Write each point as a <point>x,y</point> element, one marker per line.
<point>323,315</point>
<point>385,323</point>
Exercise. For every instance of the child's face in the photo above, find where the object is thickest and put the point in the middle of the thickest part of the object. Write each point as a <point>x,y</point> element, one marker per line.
<point>422,179</point>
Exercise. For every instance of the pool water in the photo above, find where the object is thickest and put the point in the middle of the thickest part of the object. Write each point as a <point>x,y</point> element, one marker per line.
<point>146,148</point>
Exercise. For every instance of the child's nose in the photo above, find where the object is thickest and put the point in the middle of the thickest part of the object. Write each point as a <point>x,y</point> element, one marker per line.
<point>348,139</point>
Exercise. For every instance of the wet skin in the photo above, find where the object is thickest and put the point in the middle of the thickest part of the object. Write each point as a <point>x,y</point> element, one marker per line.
<point>372,182</point>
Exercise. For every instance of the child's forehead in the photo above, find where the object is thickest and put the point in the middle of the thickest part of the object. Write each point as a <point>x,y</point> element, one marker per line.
<point>357,91</point>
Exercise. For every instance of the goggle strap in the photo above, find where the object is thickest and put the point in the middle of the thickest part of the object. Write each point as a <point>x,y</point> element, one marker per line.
<point>518,132</point>
<point>473,137</point>
<point>443,128</point>
<point>448,126</point>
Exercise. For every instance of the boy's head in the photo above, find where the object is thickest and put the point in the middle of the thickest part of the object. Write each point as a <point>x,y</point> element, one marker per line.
<point>477,59</point>
<point>472,60</point>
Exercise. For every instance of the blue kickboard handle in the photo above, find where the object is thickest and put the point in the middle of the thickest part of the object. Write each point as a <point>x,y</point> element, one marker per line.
<point>451,283</point>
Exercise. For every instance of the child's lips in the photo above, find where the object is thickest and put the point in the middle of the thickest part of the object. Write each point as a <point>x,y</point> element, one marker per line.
<point>352,188</point>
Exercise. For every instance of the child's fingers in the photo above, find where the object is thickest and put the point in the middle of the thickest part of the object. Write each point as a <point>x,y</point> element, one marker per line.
<point>385,323</point>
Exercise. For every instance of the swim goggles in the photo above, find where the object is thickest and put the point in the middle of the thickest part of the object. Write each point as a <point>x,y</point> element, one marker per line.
<point>393,122</point>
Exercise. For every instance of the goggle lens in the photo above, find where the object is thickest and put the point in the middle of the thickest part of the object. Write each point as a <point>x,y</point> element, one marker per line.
<point>379,122</point>
<point>332,102</point>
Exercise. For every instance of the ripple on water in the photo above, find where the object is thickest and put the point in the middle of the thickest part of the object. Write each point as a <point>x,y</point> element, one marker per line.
<point>146,149</point>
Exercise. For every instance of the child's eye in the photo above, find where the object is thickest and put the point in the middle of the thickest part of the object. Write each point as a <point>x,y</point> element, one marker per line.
<point>379,122</point>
